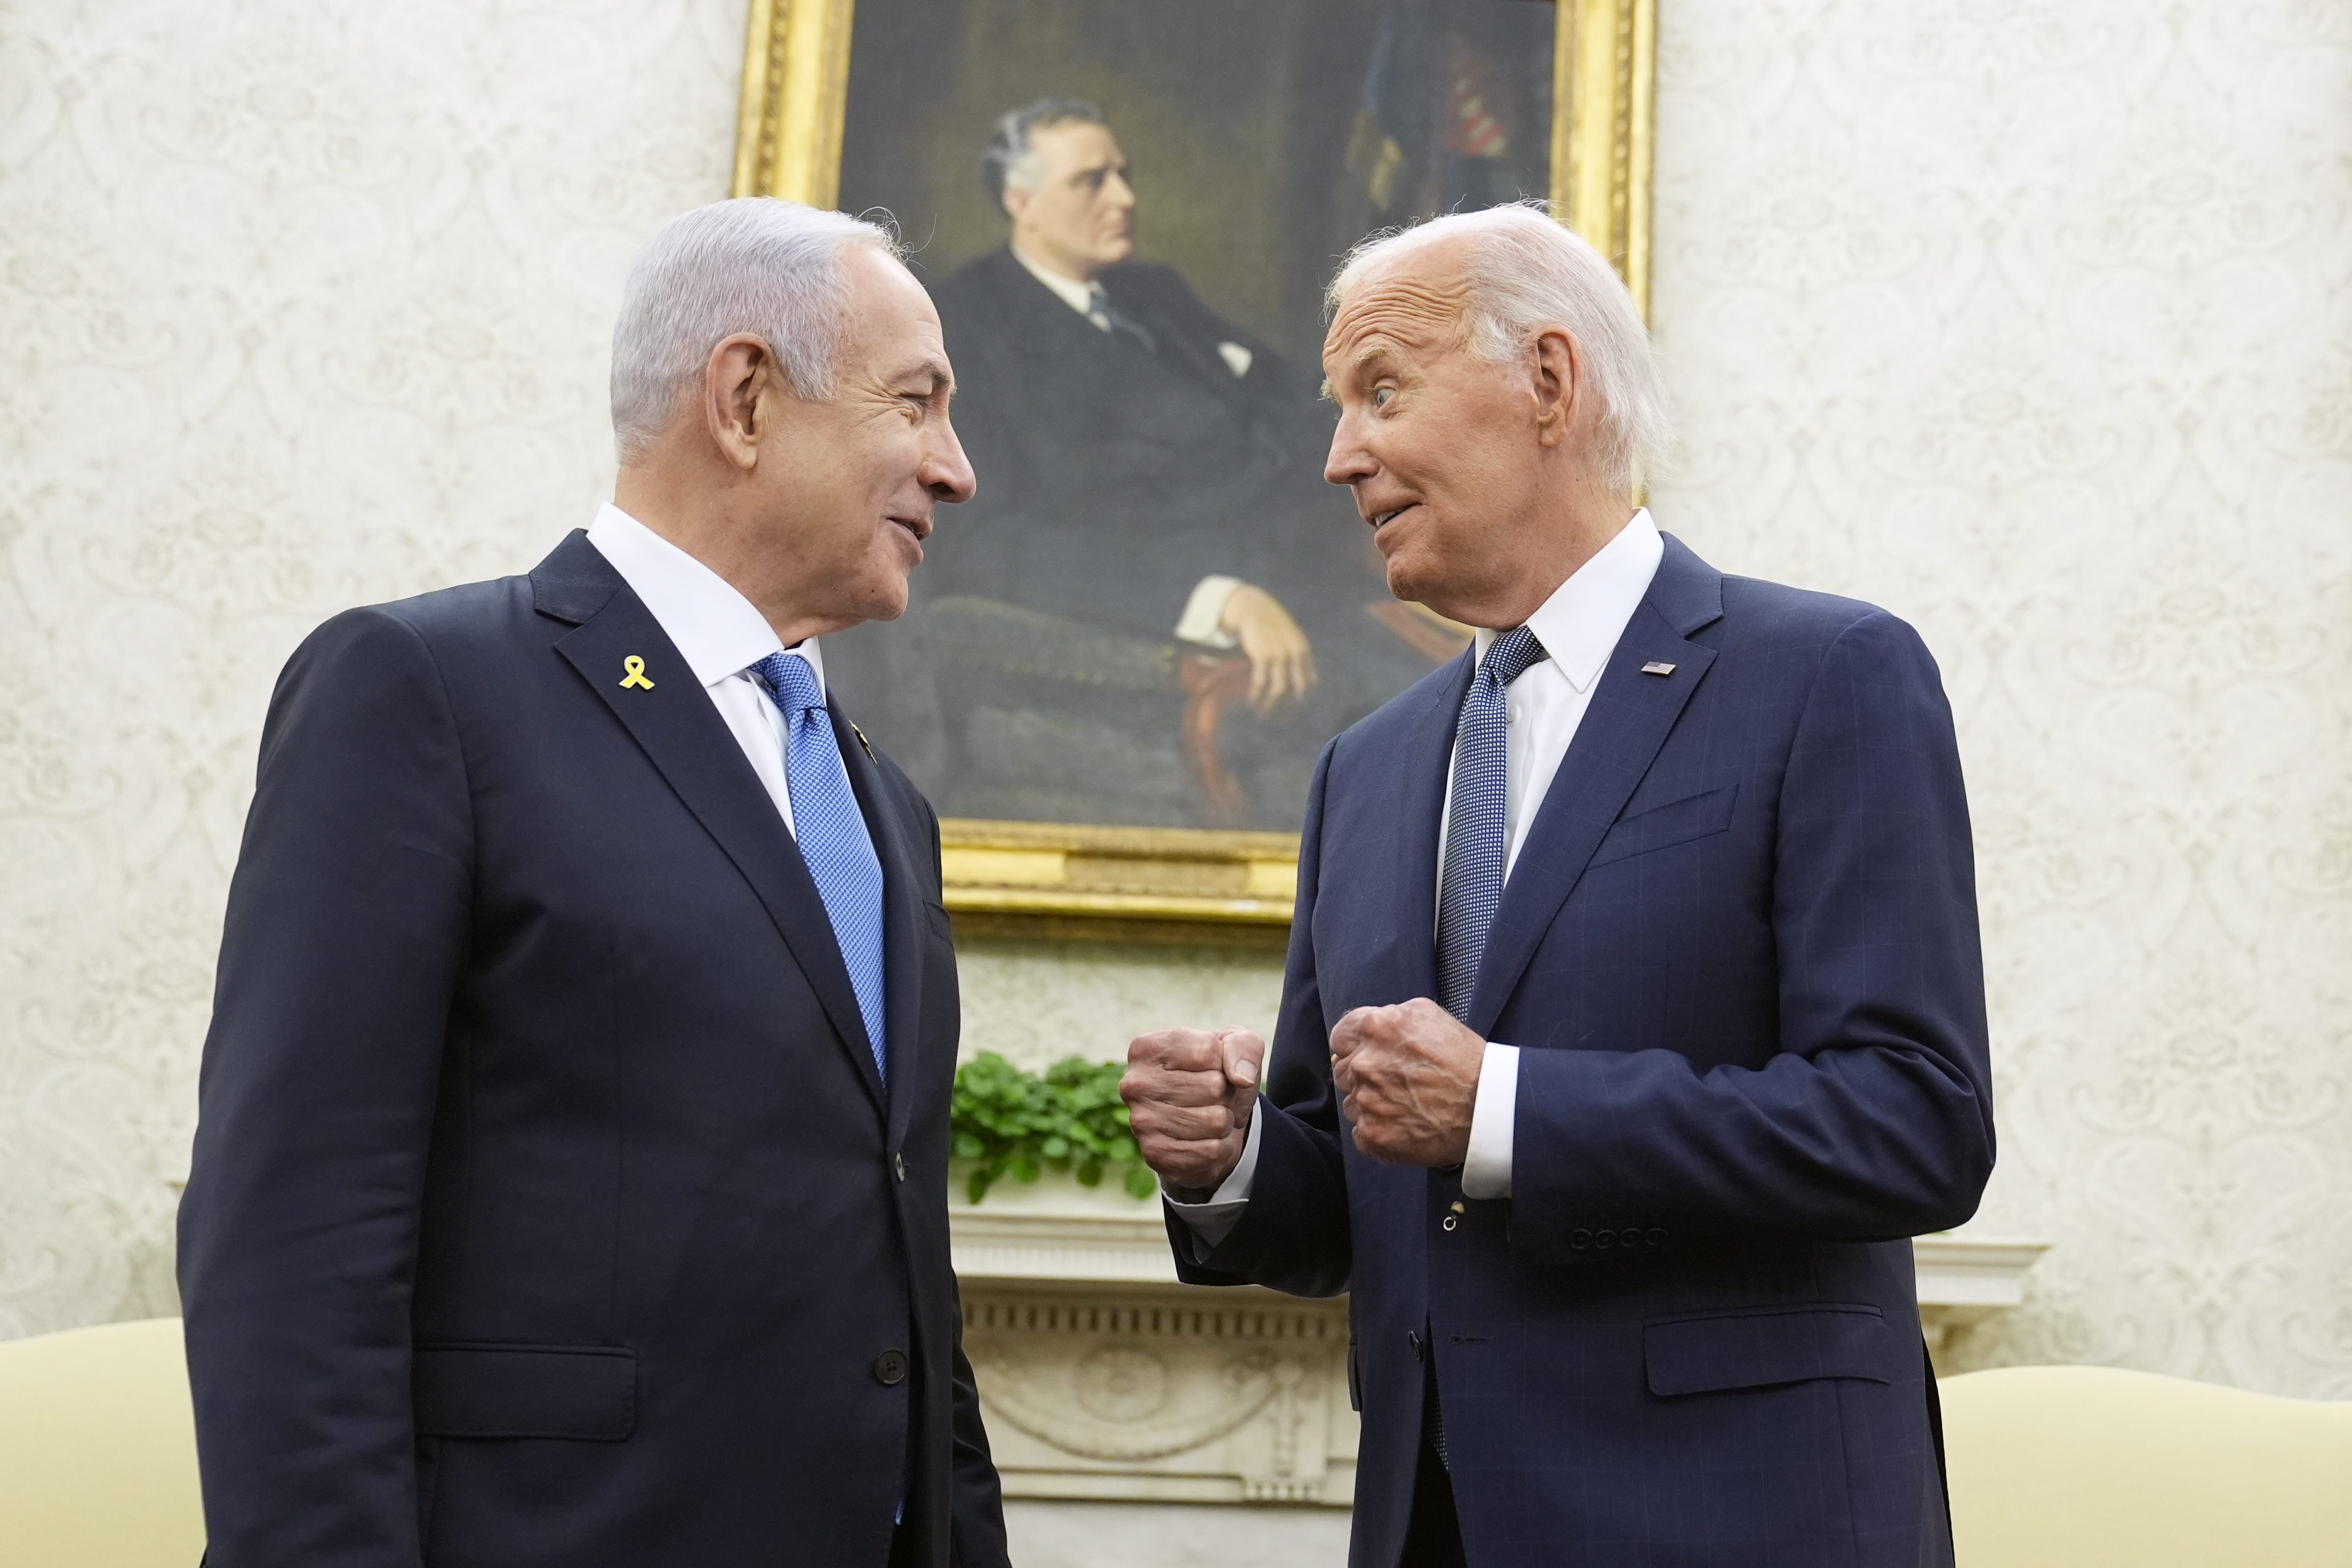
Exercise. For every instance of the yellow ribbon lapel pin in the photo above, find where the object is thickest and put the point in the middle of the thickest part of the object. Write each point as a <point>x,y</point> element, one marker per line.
<point>633,674</point>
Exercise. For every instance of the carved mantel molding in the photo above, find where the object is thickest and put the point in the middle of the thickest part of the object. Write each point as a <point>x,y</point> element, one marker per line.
<point>1103,1378</point>
<point>1166,1393</point>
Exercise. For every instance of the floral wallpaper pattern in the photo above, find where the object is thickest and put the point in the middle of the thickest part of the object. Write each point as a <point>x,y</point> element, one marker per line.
<point>301,306</point>
<point>2031,321</point>
<point>2027,320</point>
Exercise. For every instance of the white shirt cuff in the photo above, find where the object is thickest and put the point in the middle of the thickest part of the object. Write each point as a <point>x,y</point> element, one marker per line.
<point>1203,612</point>
<point>1214,1220</point>
<point>1486,1168</point>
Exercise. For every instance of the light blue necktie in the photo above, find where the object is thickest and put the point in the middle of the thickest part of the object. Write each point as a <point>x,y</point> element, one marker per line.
<point>832,834</point>
<point>1475,831</point>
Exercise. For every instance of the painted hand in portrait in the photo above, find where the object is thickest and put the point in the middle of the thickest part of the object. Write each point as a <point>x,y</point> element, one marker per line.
<point>1156,612</point>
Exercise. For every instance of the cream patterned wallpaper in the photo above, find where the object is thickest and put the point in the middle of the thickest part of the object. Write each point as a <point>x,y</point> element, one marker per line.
<point>2029,321</point>
<point>301,305</point>
<point>2033,323</point>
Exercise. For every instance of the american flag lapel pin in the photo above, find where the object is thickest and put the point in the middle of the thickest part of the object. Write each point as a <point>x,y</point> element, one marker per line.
<point>1657,667</point>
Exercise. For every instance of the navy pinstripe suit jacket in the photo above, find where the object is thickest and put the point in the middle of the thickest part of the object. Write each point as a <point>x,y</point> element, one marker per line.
<point>1740,953</point>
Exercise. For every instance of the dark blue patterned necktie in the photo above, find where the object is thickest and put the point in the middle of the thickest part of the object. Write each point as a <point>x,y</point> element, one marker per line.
<point>832,834</point>
<point>1474,833</point>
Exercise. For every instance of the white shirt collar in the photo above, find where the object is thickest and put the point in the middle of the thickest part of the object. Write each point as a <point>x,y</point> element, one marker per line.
<point>1078,296</point>
<point>1579,625</point>
<point>715,629</point>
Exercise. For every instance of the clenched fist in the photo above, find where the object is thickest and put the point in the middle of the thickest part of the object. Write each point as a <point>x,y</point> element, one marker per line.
<point>1188,1096</point>
<point>1408,1079</point>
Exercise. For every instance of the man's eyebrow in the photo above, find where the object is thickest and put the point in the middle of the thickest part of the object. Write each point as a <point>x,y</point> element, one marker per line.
<point>942,379</point>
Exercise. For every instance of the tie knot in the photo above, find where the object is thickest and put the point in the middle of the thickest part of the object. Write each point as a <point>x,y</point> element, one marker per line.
<point>1514,652</point>
<point>791,683</point>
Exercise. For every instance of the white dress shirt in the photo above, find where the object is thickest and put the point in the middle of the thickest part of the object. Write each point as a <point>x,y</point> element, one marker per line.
<point>716,631</point>
<point>1579,626</point>
<point>1201,619</point>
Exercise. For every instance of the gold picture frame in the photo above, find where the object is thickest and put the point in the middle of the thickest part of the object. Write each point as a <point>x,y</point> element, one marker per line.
<point>1062,880</point>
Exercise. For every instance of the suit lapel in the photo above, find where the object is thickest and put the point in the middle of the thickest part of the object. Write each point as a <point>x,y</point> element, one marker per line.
<point>1420,810</point>
<point>1628,719</point>
<point>903,886</point>
<point>687,740</point>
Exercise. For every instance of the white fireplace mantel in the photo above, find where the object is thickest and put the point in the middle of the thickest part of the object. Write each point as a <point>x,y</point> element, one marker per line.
<point>1103,1377</point>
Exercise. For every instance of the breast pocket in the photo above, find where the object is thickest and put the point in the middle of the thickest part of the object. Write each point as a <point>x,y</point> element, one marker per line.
<point>1675,822</point>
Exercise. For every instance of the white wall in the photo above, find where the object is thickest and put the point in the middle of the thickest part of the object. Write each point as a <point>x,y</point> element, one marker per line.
<point>2033,322</point>
<point>2027,320</point>
<point>302,305</point>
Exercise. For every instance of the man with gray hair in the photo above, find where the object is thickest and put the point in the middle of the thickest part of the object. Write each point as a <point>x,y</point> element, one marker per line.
<point>1138,351</point>
<point>1153,503</point>
<point>1634,1017</point>
<point>570,1177</point>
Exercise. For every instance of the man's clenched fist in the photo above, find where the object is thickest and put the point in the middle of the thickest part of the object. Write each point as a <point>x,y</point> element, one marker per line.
<point>1188,1096</point>
<point>1408,1079</point>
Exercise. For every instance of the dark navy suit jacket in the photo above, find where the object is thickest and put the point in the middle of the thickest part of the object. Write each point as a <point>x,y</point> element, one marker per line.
<point>1739,952</point>
<point>547,1208</point>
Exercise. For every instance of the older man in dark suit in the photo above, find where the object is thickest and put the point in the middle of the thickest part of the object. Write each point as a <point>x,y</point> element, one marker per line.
<point>1153,483</point>
<point>1634,1017</point>
<point>570,1177</point>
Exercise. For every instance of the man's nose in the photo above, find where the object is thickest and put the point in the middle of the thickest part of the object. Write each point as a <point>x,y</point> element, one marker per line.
<point>1117,191</point>
<point>947,472</point>
<point>1348,462</point>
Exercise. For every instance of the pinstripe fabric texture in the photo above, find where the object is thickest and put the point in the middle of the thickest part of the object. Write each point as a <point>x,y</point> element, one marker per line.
<point>1472,887</point>
<point>832,834</point>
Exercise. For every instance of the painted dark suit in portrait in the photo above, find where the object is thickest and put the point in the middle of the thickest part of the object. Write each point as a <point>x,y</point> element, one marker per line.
<point>1156,612</point>
<point>1128,469</point>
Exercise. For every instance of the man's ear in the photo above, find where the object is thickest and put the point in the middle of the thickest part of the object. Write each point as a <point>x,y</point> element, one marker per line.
<point>1558,381</point>
<point>739,383</point>
<point>1016,202</point>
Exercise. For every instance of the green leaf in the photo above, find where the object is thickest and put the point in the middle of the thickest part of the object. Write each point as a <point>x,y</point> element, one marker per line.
<point>1070,1118</point>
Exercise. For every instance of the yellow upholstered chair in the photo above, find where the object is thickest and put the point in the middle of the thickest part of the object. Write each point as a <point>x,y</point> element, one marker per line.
<point>2083,1467</point>
<point>97,1450</point>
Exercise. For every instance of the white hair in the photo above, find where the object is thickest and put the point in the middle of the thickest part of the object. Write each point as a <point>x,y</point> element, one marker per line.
<point>1527,272</point>
<point>753,265</point>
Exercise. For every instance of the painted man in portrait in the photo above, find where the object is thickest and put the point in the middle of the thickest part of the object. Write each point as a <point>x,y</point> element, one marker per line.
<point>1156,607</point>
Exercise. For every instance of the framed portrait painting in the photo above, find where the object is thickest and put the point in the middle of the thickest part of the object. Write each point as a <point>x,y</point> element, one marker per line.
<point>1122,658</point>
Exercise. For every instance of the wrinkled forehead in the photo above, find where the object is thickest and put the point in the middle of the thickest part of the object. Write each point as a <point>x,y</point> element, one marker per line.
<point>1415,302</point>
<point>889,315</point>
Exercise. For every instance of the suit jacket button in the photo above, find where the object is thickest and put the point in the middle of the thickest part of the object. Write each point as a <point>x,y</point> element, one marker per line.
<point>898,1162</point>
<point>1580,1240</point>
<point>1412,1338</point>
<point>1633,1237</point>
<point>1657,1236</point>
<point>1604,1239</point>
<point>890,1368</point>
